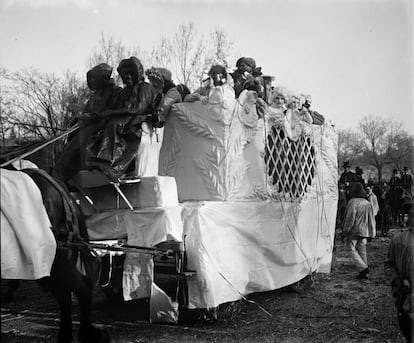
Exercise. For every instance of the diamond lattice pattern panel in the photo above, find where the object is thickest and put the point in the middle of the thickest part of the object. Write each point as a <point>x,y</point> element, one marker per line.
<point>289,164</point>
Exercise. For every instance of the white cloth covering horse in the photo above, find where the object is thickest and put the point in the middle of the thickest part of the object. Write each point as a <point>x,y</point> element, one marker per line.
<point>28,246</point>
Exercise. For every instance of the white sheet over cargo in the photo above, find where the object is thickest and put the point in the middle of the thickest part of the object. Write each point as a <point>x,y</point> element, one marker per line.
<point>239,248</point>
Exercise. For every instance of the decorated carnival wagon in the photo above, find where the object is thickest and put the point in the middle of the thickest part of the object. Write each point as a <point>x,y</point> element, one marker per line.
<point>241,205</point>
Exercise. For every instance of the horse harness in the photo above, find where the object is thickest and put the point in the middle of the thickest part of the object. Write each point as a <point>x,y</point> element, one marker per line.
<point>85,256</point>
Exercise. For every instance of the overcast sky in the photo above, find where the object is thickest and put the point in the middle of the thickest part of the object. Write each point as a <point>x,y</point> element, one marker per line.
<point>354,56</point>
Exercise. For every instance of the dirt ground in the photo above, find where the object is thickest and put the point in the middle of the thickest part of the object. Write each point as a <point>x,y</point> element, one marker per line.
<point>333,307</point>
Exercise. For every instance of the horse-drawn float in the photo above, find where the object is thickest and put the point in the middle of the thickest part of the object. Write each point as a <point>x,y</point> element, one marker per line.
<point>237,204</point>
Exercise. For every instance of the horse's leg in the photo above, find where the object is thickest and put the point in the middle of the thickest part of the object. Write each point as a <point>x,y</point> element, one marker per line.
<point>84,296</point>
<point>8,288</point>
<point>87,332</point>
<point>60,285</point>
<point>64,297</point>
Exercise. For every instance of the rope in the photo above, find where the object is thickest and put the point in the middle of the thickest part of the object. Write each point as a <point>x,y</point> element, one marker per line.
<point>50,141</point>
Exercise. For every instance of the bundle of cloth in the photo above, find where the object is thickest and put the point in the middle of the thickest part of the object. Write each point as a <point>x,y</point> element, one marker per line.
<point>28,246</point>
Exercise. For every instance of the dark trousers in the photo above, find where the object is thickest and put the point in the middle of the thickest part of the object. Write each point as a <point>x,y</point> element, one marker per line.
<point>72,158</point>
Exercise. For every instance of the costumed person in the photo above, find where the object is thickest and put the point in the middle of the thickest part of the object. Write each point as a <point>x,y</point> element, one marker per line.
<point>216,89</point>
<point>103,97</point>
<point>151,139</point>
<point>358,228</point>
<point>294,117</point>
<point>317,118</point>
<point>278,100</point>
<point>245,66</point>
<point>400,261</point>
<point>161,79</point>
<point>255,84</point>
<point>276,113</point>
<point>117,145</point>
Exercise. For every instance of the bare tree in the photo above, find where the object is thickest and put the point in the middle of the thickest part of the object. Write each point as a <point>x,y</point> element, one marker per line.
<point>112,51</point>
<point>161,54</point>
<point>188,55</point>
<point>40,105</point>
<point>400,149</point>
<point>350,147</point>
<point>6,129</point>
<point>221,46</point>
<point>375,135</point>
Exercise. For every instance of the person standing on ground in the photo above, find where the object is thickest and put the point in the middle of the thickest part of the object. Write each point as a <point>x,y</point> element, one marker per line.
<point>346,177</point>
<point>359,227</point>
<point>358,176</point>
<point>395,180</point>
<point>374,202</point>
<point>400,261</point>
<point>407,180</point>
<point>342,202</point>
<point>395,195</point>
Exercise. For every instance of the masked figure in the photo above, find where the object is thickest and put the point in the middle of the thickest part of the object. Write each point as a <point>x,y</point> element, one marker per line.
<point>117,144</point>
<point>245,68</point>
<point>103,97</point>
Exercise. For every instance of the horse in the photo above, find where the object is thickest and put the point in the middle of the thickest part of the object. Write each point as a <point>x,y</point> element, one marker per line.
<point>65,277</point>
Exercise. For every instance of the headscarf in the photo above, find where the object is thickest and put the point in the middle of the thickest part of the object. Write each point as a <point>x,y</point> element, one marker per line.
<point>101,75</point>
<point>134,65</point>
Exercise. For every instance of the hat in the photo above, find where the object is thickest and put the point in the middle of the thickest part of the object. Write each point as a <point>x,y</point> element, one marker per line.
<point>100,72</point>
<point>359,171</point>
<point>133,64</point>
<point>346,164</point>
<point>405,168</point>
<point>248,60</point>
<point>155,78</point>
<point>357,191</point>
<point>165,73</point>
<point>217,69</point>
